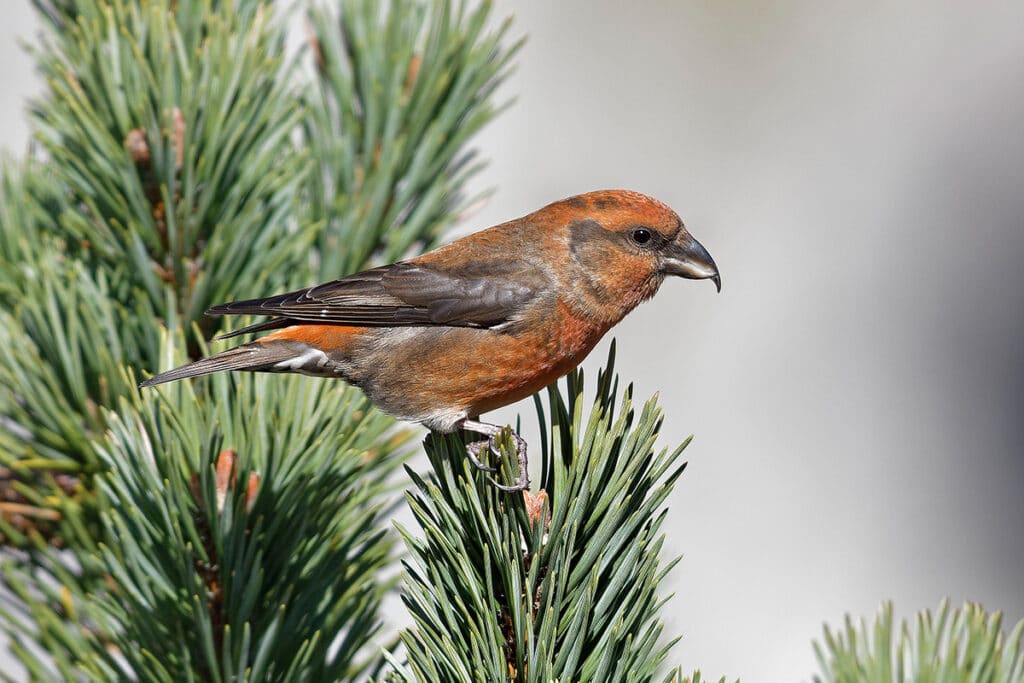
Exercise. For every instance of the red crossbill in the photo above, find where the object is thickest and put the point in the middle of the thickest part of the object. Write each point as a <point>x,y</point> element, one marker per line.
<point>476,324</point>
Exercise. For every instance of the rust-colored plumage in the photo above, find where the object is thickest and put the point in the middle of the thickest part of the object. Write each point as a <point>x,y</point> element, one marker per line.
<point>479,323</point>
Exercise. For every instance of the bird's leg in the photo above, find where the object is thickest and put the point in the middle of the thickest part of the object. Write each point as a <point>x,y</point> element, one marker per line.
<point>492,431</point>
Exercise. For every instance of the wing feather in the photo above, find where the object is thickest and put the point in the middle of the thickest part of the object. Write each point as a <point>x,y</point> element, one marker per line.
<point>403,294</point>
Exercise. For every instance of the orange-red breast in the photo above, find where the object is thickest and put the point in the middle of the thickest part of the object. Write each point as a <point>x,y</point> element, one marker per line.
<point>476,324</point>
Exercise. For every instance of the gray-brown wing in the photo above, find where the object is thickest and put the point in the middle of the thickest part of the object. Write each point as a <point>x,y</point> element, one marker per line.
<point>402,294</point>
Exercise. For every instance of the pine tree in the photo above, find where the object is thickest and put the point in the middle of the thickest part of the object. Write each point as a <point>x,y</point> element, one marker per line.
<point>965,644</point>
<point>235,525</point>
<point>238,527</point>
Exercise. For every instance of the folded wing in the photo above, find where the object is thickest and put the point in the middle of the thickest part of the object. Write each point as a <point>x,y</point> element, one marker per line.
<point>402,294</point>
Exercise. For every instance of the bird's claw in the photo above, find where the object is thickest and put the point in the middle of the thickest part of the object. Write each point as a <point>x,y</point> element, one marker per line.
<point>522,482</point>
<point>474,449</point>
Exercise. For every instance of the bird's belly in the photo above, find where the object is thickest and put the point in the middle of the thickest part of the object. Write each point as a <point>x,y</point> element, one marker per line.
<point>439,376</point>
<point>522,376</point>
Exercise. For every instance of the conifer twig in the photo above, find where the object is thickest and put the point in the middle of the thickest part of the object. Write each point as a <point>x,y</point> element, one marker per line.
<point>557,585</point>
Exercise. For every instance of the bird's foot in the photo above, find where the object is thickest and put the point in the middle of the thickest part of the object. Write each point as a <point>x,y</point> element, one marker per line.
<point>475,450</point>
<point>522,482</point>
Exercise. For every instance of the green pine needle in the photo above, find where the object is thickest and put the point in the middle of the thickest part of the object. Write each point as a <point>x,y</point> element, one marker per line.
<point>169,125</point>
<point>176,177</point>
<point>245,530</point>
<point>965,645</point>
<point>496,593</point>
<point>395,103</point>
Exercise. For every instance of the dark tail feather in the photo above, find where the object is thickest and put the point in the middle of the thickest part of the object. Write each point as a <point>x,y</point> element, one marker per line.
<point>251,356</point>
<point>275,324</point>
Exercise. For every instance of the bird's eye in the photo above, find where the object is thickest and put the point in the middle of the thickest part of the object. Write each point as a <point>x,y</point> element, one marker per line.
<point>641,236</point>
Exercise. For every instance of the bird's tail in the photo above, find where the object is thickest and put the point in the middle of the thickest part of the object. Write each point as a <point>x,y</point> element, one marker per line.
<point>251,356</point>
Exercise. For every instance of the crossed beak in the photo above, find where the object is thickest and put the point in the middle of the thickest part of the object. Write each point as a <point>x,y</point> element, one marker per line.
<point>686,257</point>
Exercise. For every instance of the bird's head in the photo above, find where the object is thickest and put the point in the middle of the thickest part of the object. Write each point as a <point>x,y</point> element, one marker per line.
<point>622,244</point>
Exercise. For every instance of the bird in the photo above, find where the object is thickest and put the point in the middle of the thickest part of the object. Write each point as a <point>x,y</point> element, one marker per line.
<point>476,324</point>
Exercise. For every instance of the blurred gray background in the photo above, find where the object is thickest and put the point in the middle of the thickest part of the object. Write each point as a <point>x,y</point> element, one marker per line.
<point>856,391</point>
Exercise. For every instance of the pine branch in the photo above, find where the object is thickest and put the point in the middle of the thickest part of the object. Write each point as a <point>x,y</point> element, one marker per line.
<point>168,125</point>
<point>965,644</point>
<point>257,538</point>
<point>170,180</point>
<point>166,129</point>
<point>171,174</point>
<point>561,585</point>
<point>27,199</point>
<point>396,100</point>
<point>65,339</point>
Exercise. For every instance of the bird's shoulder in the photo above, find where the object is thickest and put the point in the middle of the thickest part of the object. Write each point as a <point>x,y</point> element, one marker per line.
<point>473,282</point>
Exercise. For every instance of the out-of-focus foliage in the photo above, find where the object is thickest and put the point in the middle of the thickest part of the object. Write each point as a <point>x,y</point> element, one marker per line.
<point>389,117</point>
<point>965,644</point>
